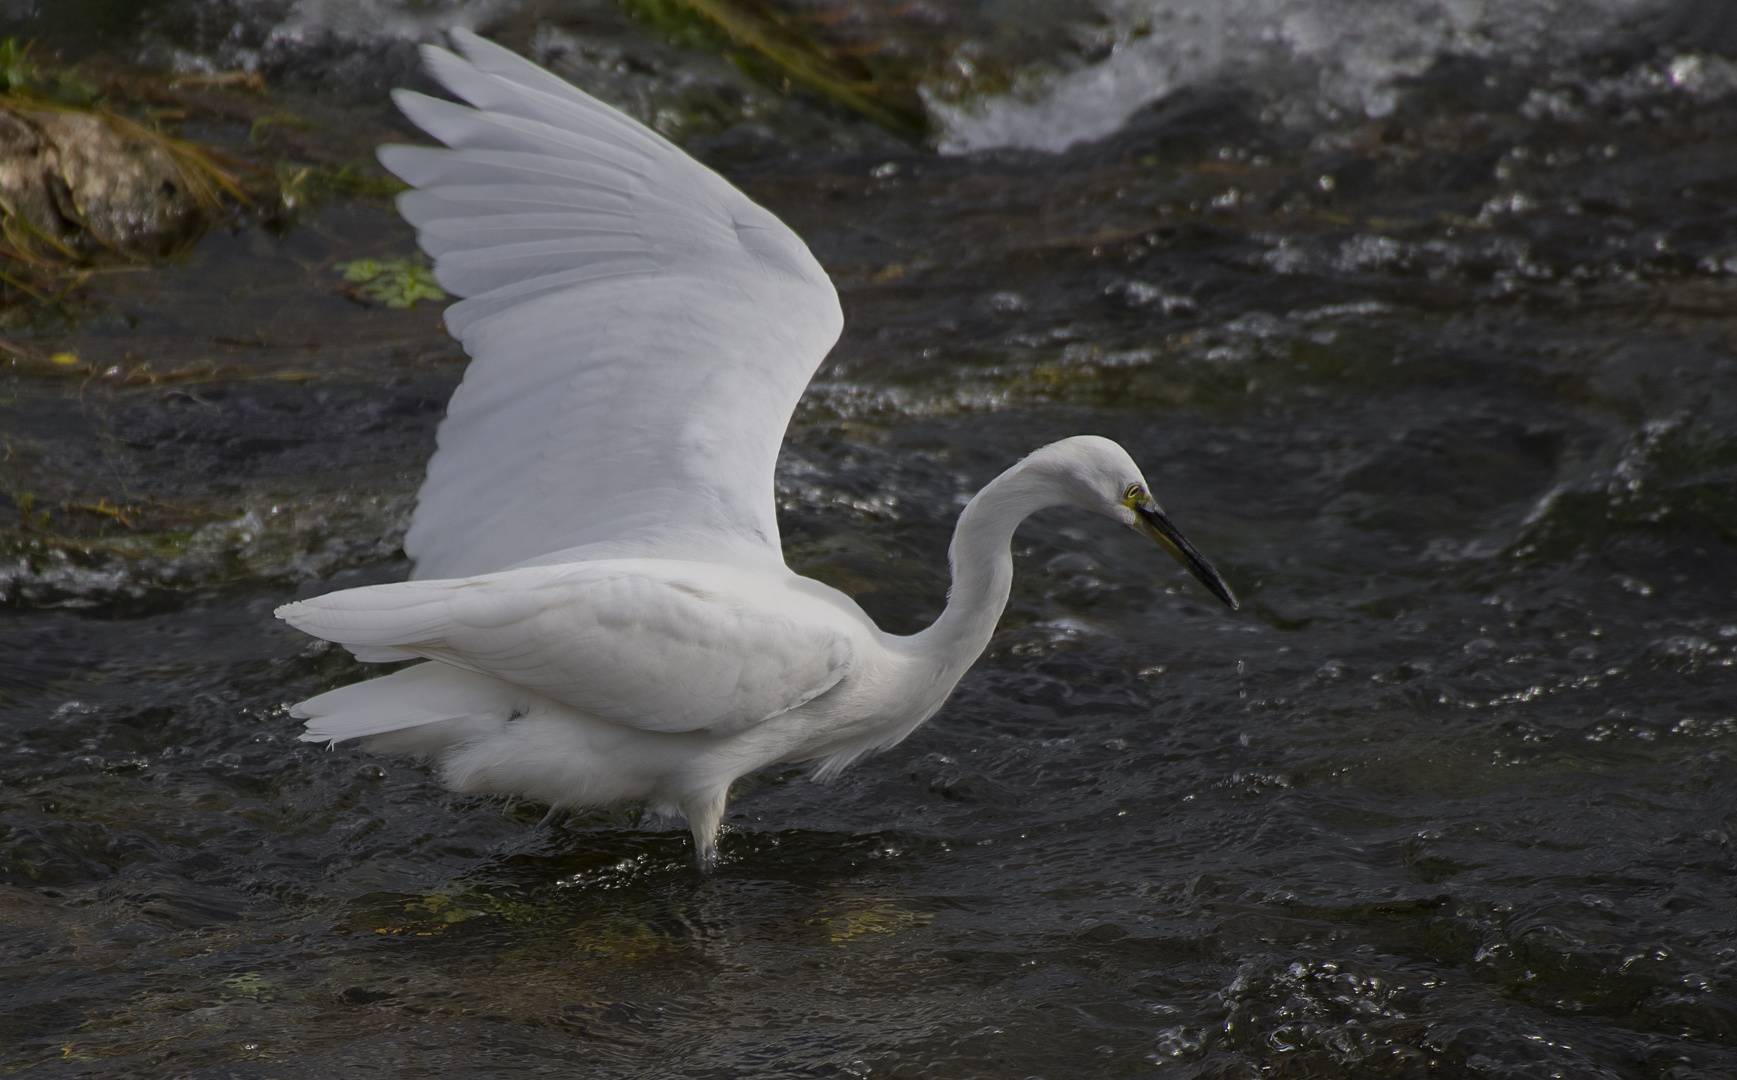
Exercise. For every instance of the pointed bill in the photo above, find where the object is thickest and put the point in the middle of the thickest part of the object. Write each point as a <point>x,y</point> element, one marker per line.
<point>1152,521</point>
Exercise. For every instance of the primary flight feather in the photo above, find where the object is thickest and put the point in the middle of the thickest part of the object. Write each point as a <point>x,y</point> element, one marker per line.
<point>599,592</point>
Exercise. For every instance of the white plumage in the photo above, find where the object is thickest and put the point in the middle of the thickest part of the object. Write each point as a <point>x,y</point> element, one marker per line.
<point>599,590</point>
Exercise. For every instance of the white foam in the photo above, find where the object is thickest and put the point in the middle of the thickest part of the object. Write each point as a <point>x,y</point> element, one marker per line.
<point>365,20</point>
<point>1308,59</point>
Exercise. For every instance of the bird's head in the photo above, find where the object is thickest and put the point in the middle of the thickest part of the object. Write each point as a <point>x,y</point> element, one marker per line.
<point>1096,474</point>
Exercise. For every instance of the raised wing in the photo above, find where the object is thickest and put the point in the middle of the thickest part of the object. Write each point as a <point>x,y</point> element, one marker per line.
<point>639,331</point>
<point>658,645</point>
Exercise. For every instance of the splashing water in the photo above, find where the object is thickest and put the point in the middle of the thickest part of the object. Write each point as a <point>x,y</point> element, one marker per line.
<point>1307,60</point>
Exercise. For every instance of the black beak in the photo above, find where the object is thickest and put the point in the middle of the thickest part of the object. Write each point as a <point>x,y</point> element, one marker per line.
<point>1151,521</point>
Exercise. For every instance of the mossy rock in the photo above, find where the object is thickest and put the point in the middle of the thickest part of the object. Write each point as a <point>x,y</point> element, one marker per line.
<point>74,182</point>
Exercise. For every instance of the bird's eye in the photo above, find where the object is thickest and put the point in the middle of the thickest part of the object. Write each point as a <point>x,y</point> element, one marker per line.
<point>1133,493</point>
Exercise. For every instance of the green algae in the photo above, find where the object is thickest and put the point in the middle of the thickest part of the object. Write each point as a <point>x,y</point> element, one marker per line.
<point>397,283</point>
<point>780,51</point>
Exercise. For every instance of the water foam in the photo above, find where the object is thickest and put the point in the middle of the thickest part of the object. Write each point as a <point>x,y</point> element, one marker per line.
<point>266,36</point>
<point>362,20</point>
<point>1310,60</point>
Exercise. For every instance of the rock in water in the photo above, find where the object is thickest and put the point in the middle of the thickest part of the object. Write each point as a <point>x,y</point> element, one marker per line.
<point>83,181</point>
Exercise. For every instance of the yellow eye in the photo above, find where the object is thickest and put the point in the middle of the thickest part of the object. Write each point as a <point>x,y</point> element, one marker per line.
<point>1133,494</point>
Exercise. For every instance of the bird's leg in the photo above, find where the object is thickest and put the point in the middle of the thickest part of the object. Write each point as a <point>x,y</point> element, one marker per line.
<point>554,813</point>
<point>705,813</point>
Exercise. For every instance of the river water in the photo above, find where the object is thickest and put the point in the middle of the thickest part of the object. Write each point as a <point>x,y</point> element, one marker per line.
<point>1419,317</point>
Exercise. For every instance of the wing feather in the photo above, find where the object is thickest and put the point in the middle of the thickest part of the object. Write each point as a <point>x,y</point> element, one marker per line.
<point>491,77</point>
<point>458,126</point>
<point>440,239</point>
<point>456,205</point>
<point>429,166</point>
<point>640,331</point>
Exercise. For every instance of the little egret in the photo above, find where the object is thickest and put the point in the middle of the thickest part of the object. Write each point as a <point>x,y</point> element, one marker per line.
<point>599,594</point>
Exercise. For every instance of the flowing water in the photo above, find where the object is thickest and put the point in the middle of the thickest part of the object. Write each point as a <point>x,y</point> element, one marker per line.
<point>1419,317</point>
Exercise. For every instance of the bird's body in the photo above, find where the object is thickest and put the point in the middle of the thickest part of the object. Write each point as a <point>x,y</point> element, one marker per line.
<point>600,599</point>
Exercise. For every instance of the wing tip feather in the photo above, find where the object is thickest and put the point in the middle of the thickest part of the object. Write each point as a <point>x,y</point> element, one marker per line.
<point>480,51</point>
<point>467,40</point>
<point>386,153</point>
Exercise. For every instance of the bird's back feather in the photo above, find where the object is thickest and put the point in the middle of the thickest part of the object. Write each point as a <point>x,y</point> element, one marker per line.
<point>654,644</point>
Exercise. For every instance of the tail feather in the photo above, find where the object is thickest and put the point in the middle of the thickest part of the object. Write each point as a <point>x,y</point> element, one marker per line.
<point>374,618</point>
<point>425,694</point>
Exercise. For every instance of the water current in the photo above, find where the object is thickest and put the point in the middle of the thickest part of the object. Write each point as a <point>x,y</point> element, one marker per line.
<point>1419,317</point>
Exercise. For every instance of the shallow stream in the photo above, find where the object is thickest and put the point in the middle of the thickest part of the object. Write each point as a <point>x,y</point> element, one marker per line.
<point>1425,335</point>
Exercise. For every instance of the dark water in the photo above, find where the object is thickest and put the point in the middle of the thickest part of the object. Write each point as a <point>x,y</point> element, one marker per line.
<point>1448,394</point>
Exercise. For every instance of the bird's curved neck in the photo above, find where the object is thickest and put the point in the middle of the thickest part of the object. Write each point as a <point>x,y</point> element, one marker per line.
<point>982,570</point>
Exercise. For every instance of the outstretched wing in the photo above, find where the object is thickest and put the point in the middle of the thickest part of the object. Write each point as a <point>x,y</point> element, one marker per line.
<point>654,644</point>
<point>639,331</point>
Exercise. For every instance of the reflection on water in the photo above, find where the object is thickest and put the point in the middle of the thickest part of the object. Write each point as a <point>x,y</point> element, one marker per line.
<point>1448,394</point>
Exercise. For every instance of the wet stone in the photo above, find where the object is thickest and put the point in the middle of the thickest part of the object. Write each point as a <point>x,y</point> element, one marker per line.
<point>92,182</point>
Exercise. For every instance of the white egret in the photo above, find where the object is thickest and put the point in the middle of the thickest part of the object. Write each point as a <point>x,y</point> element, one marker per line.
<point>599,595</point>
